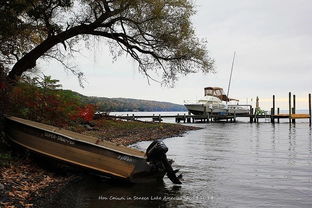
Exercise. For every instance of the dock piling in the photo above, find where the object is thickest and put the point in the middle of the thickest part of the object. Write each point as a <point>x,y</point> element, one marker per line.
<point>310,108</point>
<point>294,108</point>
<point>251,113</point>
<point>273,110</point>
<point>289,106</point>
<point>188,120</point>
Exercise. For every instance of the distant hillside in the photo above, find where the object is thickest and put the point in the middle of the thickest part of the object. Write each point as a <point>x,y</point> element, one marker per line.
<point>126,104</point>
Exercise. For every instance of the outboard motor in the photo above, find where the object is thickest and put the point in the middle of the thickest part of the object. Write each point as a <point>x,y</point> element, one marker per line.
<point>156,153</point>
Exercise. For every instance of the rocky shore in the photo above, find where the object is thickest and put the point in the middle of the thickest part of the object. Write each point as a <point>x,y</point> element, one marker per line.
<point>23,183</point>
<point>129,132</point>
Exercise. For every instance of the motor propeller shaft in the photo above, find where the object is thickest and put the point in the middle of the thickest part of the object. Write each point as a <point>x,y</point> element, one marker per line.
<point>157,152</point>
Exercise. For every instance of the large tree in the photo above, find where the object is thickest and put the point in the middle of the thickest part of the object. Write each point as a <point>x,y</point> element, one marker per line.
<point>158,34</point>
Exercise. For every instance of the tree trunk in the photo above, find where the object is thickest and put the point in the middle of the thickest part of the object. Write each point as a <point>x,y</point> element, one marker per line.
<point>29,60</point>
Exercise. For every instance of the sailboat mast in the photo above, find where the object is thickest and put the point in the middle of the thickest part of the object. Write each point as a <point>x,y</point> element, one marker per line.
<point>228,90</point>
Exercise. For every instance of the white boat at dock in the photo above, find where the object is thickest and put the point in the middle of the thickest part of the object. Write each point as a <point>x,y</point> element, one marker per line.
<point>216,102</point>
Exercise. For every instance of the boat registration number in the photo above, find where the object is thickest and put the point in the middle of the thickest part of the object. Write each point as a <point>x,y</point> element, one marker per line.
<point>125,158</point>
<point>58,138</point>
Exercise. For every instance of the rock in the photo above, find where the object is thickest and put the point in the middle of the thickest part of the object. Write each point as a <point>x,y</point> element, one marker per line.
<point>88,127</point>
<point>1,187</point>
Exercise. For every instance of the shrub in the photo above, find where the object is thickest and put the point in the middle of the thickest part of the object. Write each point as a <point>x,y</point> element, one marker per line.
<point>41,100</point>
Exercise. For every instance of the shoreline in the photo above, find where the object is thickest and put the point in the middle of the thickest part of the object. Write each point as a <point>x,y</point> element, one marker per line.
<point>130,132</point>
<point>24,183</point>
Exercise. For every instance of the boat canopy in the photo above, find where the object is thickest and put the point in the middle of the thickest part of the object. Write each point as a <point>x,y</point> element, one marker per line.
<point>217,92</point>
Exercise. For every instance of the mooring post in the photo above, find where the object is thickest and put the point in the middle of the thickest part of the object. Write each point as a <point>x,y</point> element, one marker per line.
<point>310,108</point>
<point>289,106</point>
<point>294,108</point>
<point>251,115</point>
<point>189,118</point>
<point>255,116</point>
<point>278,112</point>
<point>273,110</point>
<point>272,116</point>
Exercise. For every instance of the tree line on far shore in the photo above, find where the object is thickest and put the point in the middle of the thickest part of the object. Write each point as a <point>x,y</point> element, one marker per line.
<point>127,104</point>
<point>42,99</point>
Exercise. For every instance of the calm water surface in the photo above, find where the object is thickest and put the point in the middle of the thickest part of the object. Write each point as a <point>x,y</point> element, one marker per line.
<point>223,165</point>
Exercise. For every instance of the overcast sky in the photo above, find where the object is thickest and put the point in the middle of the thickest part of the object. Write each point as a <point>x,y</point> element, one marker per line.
<point>272,39</point>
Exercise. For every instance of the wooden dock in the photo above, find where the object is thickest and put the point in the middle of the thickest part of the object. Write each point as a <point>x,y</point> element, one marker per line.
<point>292,116</point>
<point>185,118</point>
<point>179,118</point>
<point>252,116</point>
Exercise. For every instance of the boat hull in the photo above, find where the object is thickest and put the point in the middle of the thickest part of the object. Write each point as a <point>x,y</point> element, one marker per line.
<point>200,109</point>
<point>121,162</point>
<point>238,111</point>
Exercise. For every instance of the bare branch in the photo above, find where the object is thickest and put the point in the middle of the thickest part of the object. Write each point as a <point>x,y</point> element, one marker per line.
<point>72,69</point>
<point>158,35</point>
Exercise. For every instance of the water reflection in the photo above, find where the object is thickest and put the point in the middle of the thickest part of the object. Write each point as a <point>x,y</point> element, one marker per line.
<point>310,140</point>
<point>93,192</point>
<point>224,165</point>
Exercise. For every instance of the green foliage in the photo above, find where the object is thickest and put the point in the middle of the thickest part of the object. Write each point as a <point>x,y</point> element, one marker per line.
<point>259,111</point>
<point>105,104</point>
<point>49,83</point>
<point>17,36</point>
<point>158,34</point>
<point>125,104</point>
<point>40,100</point>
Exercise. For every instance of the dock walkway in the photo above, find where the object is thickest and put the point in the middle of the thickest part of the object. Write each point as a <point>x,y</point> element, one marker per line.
<point>185,118</point>
<point>207,117</point>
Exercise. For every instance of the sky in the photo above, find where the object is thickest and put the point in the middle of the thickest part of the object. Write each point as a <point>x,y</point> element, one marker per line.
<point>273,44</point>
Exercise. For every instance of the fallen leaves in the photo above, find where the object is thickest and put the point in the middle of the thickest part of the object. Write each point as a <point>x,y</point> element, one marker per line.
<point>129,132</point>
<point>24,181</point>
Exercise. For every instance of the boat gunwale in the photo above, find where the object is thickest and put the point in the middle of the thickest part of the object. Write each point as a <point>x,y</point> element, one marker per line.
<point>77,140</point>
<point>68,161</point>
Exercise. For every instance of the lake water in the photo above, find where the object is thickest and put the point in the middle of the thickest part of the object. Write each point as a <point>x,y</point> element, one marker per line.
<point>223,165</point>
